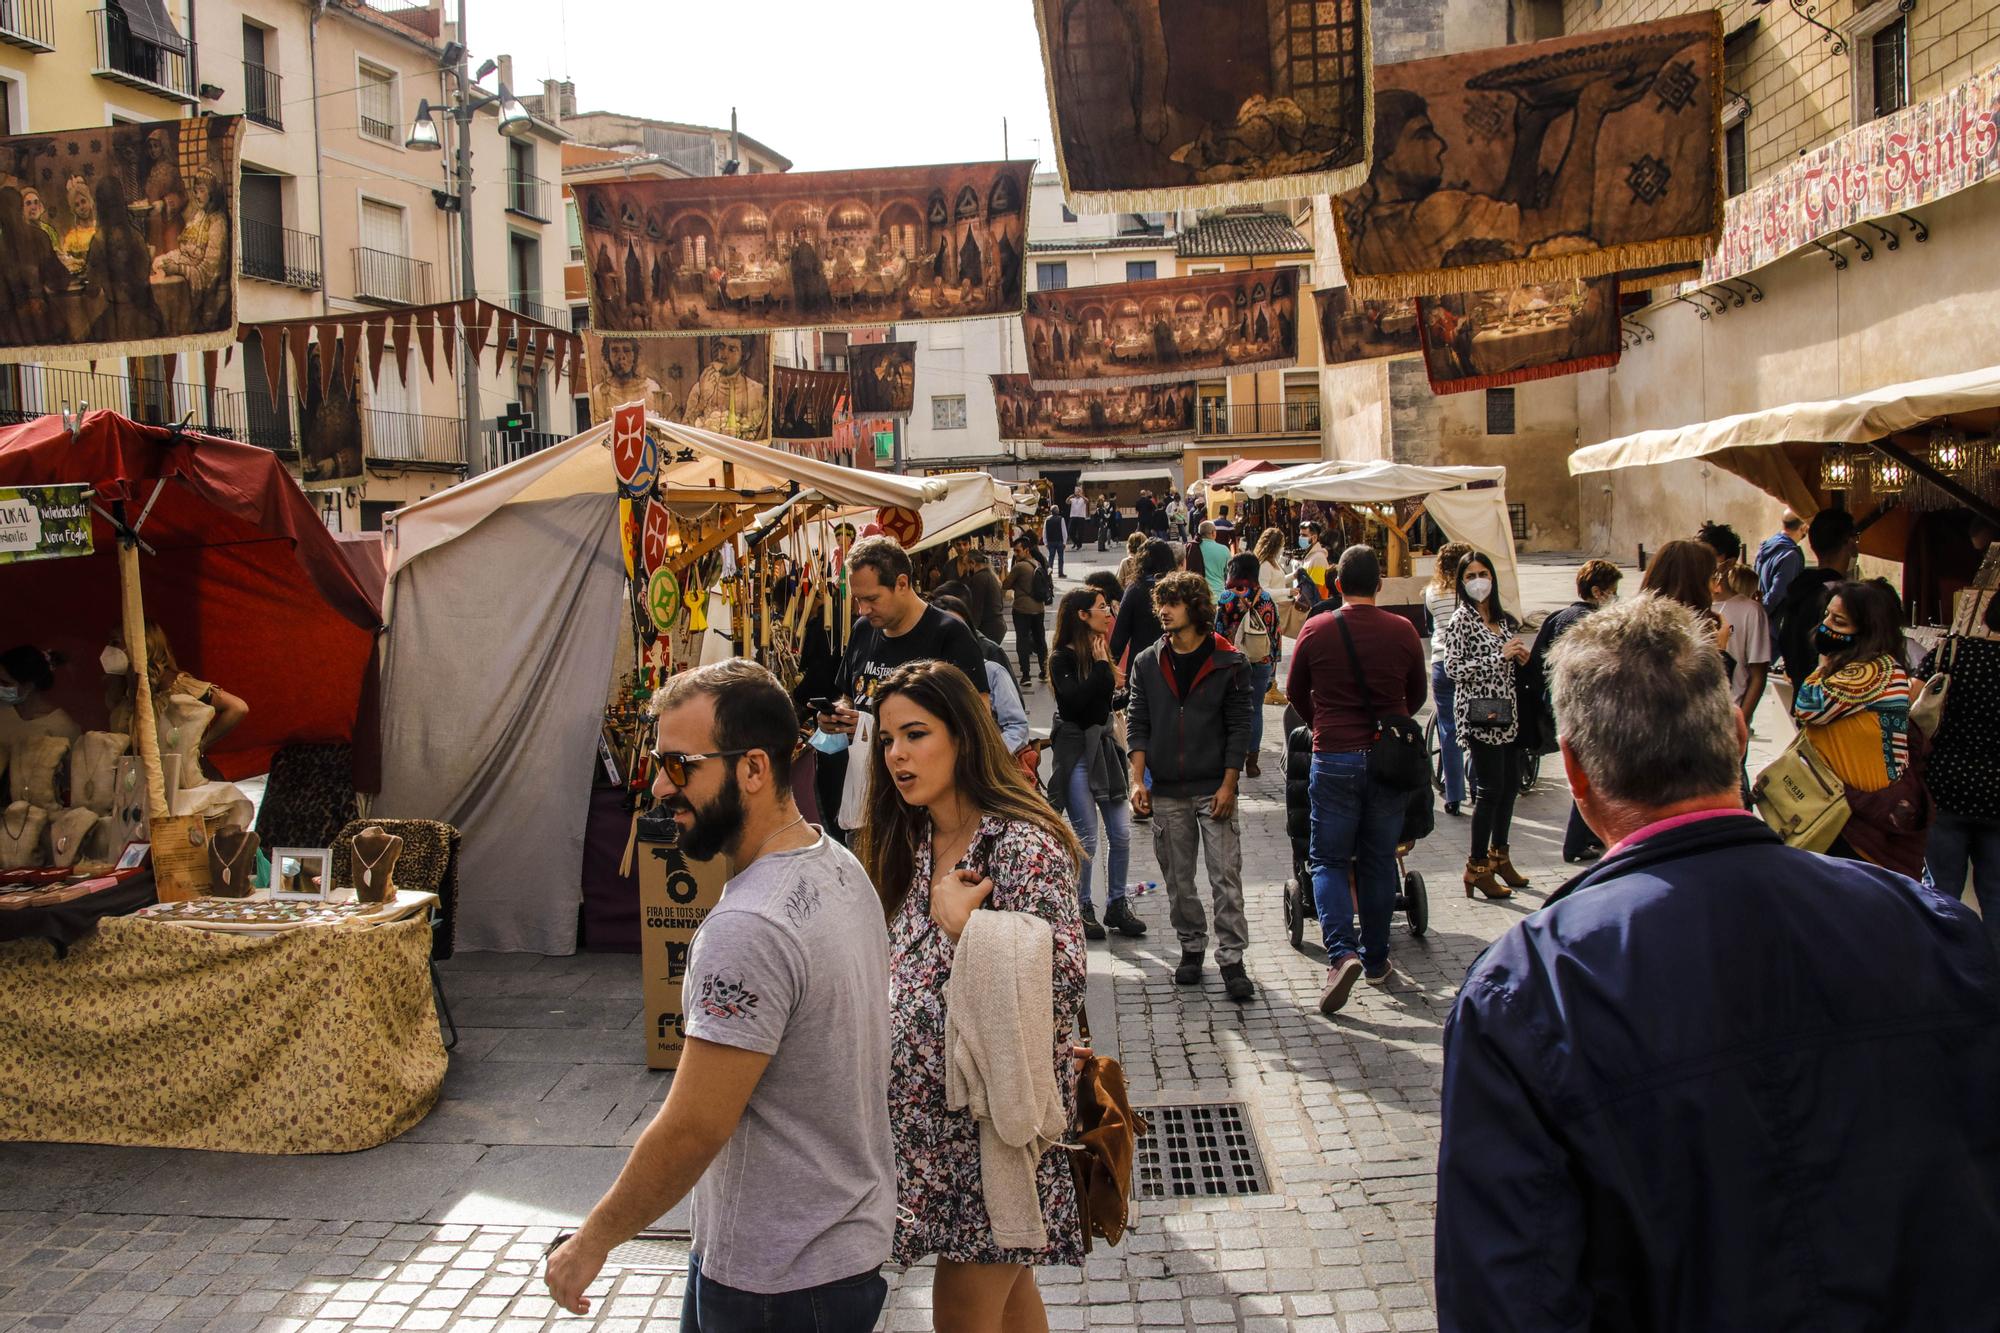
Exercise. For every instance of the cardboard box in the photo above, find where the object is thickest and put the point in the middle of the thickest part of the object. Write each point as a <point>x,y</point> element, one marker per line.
<point>675,895</point>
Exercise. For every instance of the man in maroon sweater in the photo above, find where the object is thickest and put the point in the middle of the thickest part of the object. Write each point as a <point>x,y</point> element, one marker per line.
<point>1356,820</point>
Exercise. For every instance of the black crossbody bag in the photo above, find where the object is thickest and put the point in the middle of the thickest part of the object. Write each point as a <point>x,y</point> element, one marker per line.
<point>1398,758</point>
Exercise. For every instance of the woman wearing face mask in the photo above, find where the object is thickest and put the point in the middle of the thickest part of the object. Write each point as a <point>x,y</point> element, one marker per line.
<point>1441,604</point>
<point>1087,780</point>
<point>1482,649</point>
<point>945,793</point>
<point>27,674</point>
<point>1855,709</point>
<point>1596,587</point>
<point>167,679</point>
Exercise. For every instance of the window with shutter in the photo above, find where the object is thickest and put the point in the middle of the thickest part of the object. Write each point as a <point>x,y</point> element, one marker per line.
<point>377,93</point>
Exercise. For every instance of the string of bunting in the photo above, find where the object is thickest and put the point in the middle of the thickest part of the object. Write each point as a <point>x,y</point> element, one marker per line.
<point>432,327</point>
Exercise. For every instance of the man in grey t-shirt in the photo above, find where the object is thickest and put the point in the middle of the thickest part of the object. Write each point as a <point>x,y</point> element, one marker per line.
<point>778,1119</point>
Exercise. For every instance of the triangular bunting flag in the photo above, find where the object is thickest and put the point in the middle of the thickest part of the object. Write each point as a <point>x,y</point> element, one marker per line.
<point>209,361</point>
<point>296,338</point>
<point>399,334</point>
<point>475,315</point>
<point>272,344</point>
<point>503,333</point>
<point>425,335</point>
<point>328,335</point>
<point>377,332</point>
<point>168,360</point>
<point>448,335</point>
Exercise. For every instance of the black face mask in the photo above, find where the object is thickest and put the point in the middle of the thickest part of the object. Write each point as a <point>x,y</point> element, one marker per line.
<point>1828,641</point>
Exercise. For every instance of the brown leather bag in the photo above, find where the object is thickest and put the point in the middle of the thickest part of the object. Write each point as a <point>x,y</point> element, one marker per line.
<point>1105,1139</point>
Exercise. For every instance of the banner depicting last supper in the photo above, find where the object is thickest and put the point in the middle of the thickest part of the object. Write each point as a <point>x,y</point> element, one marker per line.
<point>1091,416</point>
<point>1488,340</point>
<point>719,383</point>
<point>834,249</point>
<point>1357,330</point>
<point>1163,104</point>
<point>1569,158</point>
<point>119,240</point>
<point>1163,330</point>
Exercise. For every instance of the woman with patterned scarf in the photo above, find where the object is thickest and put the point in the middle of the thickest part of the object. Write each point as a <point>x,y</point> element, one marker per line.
<point>1855,709</point>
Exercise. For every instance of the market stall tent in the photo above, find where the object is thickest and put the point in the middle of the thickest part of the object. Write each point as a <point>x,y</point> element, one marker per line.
<point>506,599</point>
<point>252,590</point>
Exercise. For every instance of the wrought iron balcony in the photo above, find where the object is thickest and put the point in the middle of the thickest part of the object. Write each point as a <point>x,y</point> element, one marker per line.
<point>30,391</point>
<point>527,195</point>
<point>553,316</point>
<point>280,254</point>
<point>407,437</point>
<point>28,24</point>
<point>263,94</point>
<point>267,422</point>
<point>389,279</point>
<point>125,57</point>
<point>1215,419</point>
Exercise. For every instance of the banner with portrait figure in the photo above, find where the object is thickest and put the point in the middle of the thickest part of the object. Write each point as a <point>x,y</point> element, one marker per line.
<point>330,443</point>
<point>118,240</point>
<point>1163,330</point>
<point>831,249</point>
<point>1172,104</point>
<point>1569,158</point>
<point>804,403</point>
<point>1092,416</point>
<point>720,383</point>
<point>1489,340</point>
<point>1358,330</point>
<point>883,378</point>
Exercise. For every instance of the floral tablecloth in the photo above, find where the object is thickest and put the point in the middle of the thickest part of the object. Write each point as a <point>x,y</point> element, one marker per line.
<point>317,1040</point>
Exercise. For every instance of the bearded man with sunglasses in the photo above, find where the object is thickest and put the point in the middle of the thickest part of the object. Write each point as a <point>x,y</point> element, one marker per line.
<point>777,1122</point>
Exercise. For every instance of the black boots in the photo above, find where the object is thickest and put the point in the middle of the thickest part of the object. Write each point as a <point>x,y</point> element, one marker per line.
<point>1118,915</point>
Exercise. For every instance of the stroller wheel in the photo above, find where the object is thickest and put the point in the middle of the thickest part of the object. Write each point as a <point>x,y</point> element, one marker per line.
<point>1416,903</point>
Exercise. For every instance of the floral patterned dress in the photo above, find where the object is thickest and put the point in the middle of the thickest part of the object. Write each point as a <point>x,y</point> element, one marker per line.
<point>940,1207</point>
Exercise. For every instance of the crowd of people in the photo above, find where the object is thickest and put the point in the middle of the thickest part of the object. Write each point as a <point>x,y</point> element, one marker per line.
<point>1736,1012</point>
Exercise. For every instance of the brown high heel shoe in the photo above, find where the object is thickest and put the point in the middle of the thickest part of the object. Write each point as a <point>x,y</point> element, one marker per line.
<point>1503,866</point>
<point>1479,875</point>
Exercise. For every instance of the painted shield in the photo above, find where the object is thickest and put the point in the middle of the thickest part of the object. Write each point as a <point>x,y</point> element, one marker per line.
<point>632,449</point>
<point>905,525</point>
<point>663,598</point>
<point>653,544</point>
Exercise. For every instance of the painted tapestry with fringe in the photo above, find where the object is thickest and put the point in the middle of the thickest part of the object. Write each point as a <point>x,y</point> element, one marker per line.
<point>1178,104</point>
<point>720,383</point>
<point>882,377</point>
<point>1353,329</point>
<point>1570,158</point>
<point>1164,330</point>
<point>1489,340</point>
<point>805,403</point>
<point>1092,416</point>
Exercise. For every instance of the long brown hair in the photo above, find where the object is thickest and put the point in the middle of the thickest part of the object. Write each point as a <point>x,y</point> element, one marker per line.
<point>1269,543</point>
<point>1072,633</point>
<point>986,775</point>
<point>1444,579</point>
<point>1683,571</point>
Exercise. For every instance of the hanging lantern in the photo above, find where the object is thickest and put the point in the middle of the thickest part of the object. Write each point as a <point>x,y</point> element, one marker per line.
<point>1836,469</point>
<point>1890,476</point>
<point>1949,451</point>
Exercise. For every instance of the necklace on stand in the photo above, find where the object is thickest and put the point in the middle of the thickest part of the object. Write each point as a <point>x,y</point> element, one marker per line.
<point>7,822</point>
<point>367,866</point>
<point>227,863</point>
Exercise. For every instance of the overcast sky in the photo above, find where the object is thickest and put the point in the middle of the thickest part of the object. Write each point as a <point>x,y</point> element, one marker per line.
<point>883,83</point>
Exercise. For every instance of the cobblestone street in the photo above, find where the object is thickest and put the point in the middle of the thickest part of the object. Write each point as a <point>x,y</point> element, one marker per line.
<point>445,1228</point>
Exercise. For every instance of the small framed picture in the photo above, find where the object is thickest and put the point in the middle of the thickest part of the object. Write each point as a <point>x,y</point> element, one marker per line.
<point>301,874</point>
<point>134,856</point>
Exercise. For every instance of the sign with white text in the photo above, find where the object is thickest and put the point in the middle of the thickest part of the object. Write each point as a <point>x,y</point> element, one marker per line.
<point>44,523</point>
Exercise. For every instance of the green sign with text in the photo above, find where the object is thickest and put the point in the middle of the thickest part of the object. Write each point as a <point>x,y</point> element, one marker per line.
<point>44,523</point>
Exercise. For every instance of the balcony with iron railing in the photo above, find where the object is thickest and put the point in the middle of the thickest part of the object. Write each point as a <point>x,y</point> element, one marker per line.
<point>127,58</point>
<point>263,94</point>
<point>30,391</point>
<point>408,437</point>
<point>28,24</point>
<point>382,278</point>
<point>527,195</point>
<point>280,254</point>
<point>1220,420</point>
<point>553,316</point>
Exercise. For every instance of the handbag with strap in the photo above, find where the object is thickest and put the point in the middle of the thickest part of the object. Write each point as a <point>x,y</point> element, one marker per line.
<point>1489,714</point>
<point>1801,797</point>
<point>1927,709</point>
<point>1104,1141</point>
<point>1398,758</point>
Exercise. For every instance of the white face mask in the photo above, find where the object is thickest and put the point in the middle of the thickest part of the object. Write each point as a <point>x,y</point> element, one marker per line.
<point>12,694</point>
<point>1479,589</point>
<point>114,661</point>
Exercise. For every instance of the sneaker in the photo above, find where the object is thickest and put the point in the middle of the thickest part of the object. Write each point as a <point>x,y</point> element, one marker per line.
<point>1339,982</point>
<point>1091,930</point>
<point>1236,982</point>
<point>1380,980</point>
<point>1189,972</point>
<point>1253,769</point>
<point>1118,915</point>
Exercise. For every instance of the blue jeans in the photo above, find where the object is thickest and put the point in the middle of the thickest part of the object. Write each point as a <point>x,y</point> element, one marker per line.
<point>1958,844</point>
<point>850,1305</point>
<point>1357,822</point>
<point>1453,757</point>
<point>1260,684</point>
<point>1083,810</point>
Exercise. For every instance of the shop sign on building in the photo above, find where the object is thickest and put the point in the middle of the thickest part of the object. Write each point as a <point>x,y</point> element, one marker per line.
<point>1902,161</point>
<point>44,523</point>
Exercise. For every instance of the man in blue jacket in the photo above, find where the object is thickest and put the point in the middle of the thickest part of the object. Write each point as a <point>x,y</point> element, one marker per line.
<point>1716,1083</point>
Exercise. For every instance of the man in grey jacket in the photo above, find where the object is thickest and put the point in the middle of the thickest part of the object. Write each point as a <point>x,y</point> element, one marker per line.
<point>1188,721</point>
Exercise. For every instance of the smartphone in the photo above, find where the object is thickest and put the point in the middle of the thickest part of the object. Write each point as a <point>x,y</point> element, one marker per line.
<point>820,704</point>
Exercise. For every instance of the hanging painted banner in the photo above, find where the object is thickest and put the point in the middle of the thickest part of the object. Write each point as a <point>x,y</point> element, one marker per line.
<point>1488,340</point>
<point>120,240</point>
<point>883,377</point>
<point>1356,330</point>
<point>1163,331</point>
<point>656,542</point>
<point>329,408</point>
<point>804,403</point>
<point>1893,164</point>
<point>1091,416</point>
<point>634,453</point>
<point>44,523</point>
<point>1570,158</point>
<point>436,330</point>
<point>1165,104</point>
<point>718,383</point>
<point>833,249</point>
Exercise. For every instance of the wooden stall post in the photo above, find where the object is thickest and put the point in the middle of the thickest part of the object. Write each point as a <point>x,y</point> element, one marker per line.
<point>180,844</point>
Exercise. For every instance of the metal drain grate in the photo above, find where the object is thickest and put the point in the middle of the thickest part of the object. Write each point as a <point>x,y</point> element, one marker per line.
<point>1199,1151</point>
<point>655,1251</point>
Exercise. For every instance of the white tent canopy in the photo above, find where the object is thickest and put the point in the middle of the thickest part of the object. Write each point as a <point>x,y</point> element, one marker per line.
<point>1109,474</point>
<point>1475,516</point>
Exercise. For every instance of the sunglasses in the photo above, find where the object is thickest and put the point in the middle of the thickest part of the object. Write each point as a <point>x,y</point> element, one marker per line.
<point>676,766</point>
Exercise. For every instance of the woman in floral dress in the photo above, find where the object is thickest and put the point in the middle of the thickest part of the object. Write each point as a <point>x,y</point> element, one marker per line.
<point>944,791</point>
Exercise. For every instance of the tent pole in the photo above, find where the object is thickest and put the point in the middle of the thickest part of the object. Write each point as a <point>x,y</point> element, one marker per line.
<point>145,731</point>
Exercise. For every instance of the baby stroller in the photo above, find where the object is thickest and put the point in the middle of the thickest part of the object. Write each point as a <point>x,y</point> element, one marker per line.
<point>1413,902</point>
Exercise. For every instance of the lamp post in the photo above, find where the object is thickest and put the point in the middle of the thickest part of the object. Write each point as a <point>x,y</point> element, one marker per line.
<point>514,122</point>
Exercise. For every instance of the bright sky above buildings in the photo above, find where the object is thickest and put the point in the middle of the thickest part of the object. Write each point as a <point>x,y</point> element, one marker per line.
<point>886,83</point>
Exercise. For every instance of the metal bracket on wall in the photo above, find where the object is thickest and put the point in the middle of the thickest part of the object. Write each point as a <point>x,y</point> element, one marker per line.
<point>1699,308</point>
<point>1918,231</point>
<point>1756,292</point>
<point>1867,250</point>
<point>1839,259</point>
<point>1806,12</point>
<point>1640,332</point>
<point>1890,241</point>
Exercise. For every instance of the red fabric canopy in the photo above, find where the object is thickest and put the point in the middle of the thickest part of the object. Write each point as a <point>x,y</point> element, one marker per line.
<point>1232,473</point>
<point>252,590</point>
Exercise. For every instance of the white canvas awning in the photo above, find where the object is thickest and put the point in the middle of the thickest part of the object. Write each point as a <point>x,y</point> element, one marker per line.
<point>1125,474</point>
